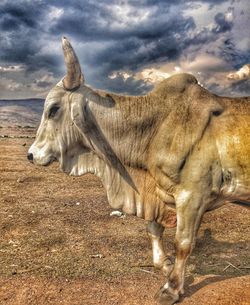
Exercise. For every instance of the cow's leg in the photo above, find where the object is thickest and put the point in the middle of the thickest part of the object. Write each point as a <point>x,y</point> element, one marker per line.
<point>189,210</point>
<point>160,259</point>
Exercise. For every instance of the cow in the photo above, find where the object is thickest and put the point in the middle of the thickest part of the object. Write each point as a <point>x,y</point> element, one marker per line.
<point>179,147</point>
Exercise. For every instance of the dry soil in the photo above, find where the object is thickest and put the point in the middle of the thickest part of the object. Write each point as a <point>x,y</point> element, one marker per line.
<point>59,244</point>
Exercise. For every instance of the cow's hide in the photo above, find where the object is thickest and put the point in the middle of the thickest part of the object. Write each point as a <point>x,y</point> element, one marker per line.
<point>190,113</point>
<point>127,171</point>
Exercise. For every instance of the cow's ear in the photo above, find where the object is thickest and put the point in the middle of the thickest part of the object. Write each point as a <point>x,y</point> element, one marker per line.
<point>78,114</point>
<point>81,113</point>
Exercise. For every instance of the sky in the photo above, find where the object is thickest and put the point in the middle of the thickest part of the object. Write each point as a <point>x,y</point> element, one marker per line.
<point>123,46</point>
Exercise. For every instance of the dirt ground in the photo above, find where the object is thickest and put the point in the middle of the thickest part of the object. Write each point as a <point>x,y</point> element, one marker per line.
<point>59,244</point>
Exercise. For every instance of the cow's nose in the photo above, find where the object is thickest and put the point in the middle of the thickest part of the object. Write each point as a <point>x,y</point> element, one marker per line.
<point>30,157</point>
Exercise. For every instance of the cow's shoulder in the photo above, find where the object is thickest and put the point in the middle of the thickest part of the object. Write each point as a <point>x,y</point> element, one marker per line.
<point>175,84</point>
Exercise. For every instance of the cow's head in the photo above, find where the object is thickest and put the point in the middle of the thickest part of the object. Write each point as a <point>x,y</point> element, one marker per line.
<point>67,122</point>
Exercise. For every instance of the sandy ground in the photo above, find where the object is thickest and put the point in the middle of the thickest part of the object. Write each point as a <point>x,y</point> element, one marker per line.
<point>53,226</point>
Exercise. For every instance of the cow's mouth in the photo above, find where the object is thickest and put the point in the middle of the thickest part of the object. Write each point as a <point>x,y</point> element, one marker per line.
<point>51,160</point>
<point>42,162</point>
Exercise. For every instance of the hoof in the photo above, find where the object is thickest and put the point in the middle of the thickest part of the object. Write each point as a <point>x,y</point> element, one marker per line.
<point>166,297</point>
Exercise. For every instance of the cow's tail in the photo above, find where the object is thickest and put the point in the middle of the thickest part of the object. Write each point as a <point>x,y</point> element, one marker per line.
<point>242,203</point>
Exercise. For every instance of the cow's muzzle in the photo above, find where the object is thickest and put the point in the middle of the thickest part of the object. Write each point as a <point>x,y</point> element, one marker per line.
<point>30,157</point>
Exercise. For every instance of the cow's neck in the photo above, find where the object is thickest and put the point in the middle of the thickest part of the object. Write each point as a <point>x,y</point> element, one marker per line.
<point>129,126</point>
<point>118,152</point>
<point>141,202</point>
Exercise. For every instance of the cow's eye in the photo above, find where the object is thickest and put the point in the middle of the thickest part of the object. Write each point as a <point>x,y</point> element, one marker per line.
<point>53,111</point>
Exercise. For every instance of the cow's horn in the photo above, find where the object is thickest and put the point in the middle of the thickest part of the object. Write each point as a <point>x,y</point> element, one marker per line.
<point>74,76</point>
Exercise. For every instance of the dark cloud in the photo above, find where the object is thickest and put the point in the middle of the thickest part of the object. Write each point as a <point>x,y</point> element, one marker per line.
<point>129,85</point>
<point>42,84</point>
<point>89,21</point>
<point>237,57</point>
<point>95,21</point>
<point>112,36</point>
<point>14,16</point>
<point>158,38</point>
<point>22,16</point>
<point>241,88</point>
<point>222,24</point>
<point>215,2</point>
<point>20,29</point>
<point>23,24</point>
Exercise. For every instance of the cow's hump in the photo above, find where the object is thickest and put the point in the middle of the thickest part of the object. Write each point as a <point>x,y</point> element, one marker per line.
<point>175,84</point>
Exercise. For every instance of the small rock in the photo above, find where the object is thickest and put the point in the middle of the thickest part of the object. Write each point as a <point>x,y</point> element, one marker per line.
<point>24,144</point>
<point>20,180</point>
<point>97,256</point>
<point>13,243</point>
<point>117,213</point>
<point>78,203</point>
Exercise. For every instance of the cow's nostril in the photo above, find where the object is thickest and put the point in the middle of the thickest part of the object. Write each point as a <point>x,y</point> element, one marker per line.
<point>30,157</point>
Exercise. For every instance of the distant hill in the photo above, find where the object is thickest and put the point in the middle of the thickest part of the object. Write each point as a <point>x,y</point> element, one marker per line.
<point>25,112</point>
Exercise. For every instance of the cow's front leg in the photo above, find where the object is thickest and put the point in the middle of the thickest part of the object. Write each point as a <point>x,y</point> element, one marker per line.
<point>189,213</point>
<point>160,259</point>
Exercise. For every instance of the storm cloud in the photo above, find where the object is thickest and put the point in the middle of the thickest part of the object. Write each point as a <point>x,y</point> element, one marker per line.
<point>117,40</point>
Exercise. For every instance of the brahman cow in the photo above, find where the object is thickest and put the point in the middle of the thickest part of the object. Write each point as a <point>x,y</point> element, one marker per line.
<point>180,146</point>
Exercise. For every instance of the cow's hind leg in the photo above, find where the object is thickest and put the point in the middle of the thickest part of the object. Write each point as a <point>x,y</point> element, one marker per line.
<point>160,259</point>
<point>189,210</point>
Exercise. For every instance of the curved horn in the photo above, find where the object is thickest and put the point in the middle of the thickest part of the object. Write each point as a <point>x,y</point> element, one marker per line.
<point>74,76</point>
